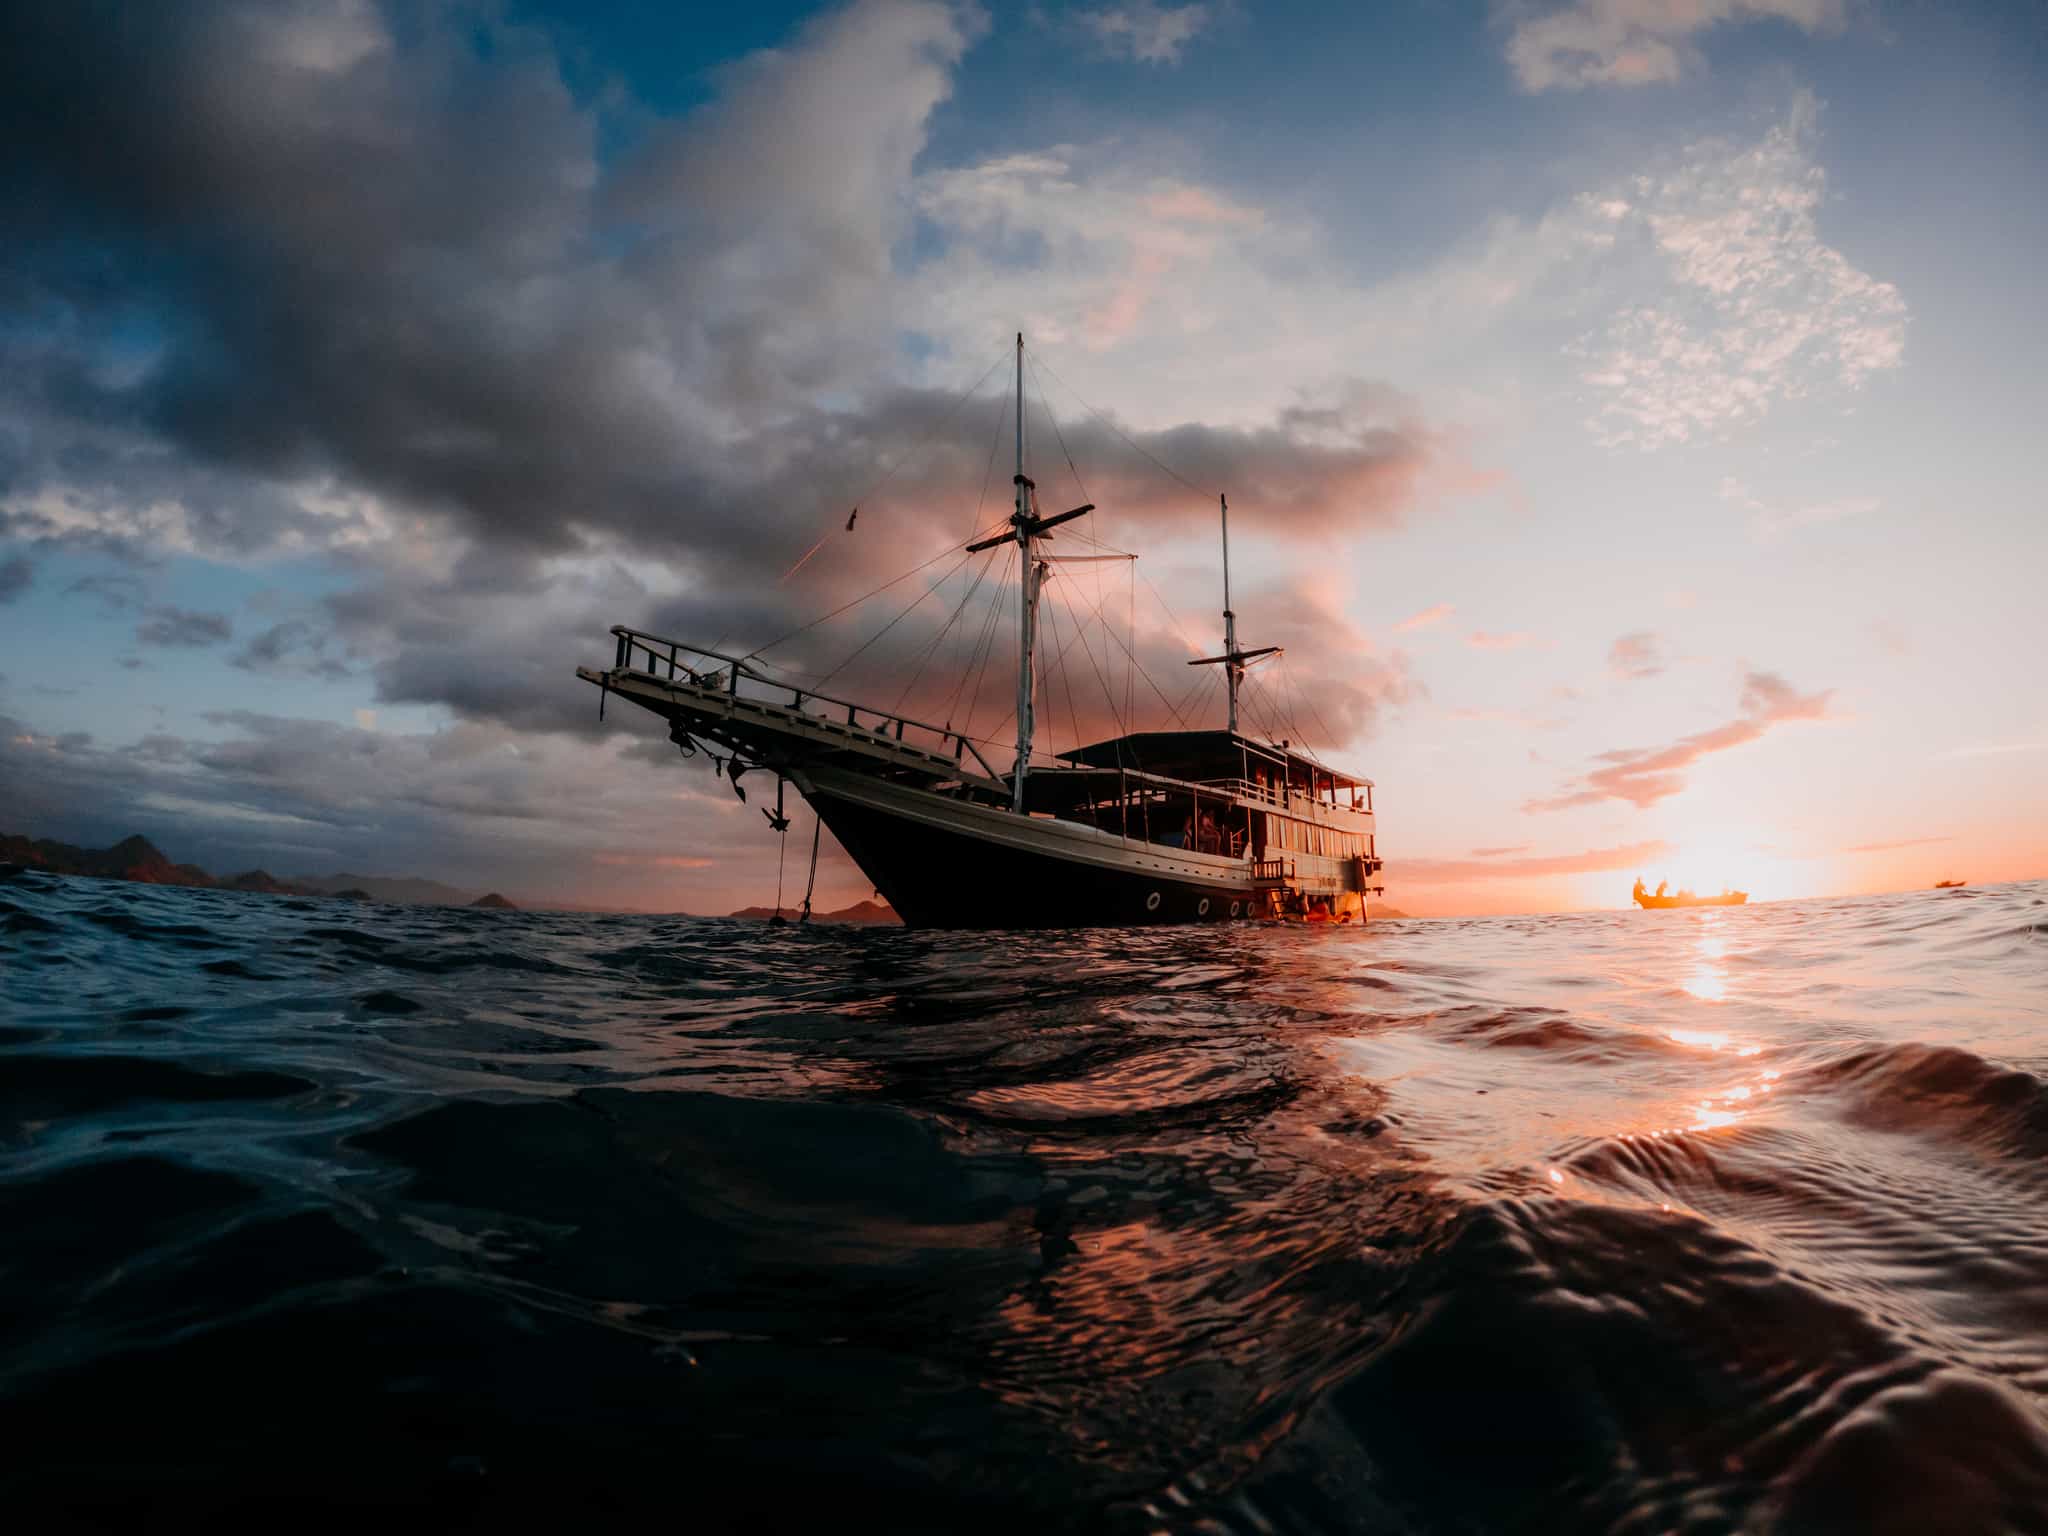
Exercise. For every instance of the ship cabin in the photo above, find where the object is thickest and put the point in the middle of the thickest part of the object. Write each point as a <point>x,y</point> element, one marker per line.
<point>1307,824</point>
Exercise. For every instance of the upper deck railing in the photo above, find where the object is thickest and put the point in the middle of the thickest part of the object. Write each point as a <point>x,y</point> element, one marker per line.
<point>666,657</point>
<point>1277,796</point>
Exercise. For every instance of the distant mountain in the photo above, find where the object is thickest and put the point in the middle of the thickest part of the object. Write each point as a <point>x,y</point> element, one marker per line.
<point>133,858</point>
<point>1386,912</point>
<point>495,902</point>
<point>861,913</point>
<point>397,888</point>
<point>137,858</point>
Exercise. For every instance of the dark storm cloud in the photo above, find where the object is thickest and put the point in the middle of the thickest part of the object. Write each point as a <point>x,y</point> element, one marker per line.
<point>321,254</point>
<point>183,628</point>
<point>322,250</point>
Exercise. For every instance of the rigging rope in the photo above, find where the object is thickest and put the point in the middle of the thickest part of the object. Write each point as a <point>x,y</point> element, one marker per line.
<point>897,463</point>
<point>1081,633</point>
<point>932,648</point>
<point>871,639</point>
<point>817,827</point>
<point>1110,422</point>
<point>1329,736</point>
<point>781,850</point>
<point>843,607</point>
<point>988,641</point>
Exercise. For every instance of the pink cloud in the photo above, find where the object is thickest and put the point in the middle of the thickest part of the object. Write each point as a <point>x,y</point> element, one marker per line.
<point>1427,617</point>
<point>1197,205</point>
<point>1636,655</point>
<point>1643,776</point>
<point>1485,640</point>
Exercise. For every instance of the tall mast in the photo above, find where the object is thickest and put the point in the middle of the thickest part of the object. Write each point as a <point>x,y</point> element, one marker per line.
<point>1232,660</point>
<point>1026,526</point>
<point>1028,607</point>
<point>1233,667</point>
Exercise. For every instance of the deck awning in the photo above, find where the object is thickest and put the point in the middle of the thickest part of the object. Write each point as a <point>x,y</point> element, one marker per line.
<point>1202,755</point>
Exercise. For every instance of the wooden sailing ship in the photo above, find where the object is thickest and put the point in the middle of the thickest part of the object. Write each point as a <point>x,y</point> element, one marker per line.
<point>1148,827</point>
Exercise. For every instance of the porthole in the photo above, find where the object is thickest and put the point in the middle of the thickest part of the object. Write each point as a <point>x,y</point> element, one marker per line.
<point>1152,902</point>
<point>1203,909</point>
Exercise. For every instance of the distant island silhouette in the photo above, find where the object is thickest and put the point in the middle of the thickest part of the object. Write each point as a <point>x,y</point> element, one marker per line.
<point>873,913</point>
<point>138,859</point>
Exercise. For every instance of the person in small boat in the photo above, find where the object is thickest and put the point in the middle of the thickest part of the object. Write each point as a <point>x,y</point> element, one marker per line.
<point>1638,893</point>
<point>1661,885</point>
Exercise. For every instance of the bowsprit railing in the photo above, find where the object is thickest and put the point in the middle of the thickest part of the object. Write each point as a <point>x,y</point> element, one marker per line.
<point>677,660</point>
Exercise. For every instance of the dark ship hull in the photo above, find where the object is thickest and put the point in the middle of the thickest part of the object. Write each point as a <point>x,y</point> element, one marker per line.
<point>949,877</point>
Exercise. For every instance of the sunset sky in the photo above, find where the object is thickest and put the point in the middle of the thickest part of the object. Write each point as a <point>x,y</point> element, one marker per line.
<point>1631,412</point>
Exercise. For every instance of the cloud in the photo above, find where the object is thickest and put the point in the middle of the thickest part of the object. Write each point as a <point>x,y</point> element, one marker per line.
<point>1754,308</point>
<point>1644,776</point>
<point>293,647</point>
<point>1767,524</point>
<point>438,302</point>
<point>183,628</point>
<point>1488,864</point>
<point>1428,616</point>
<point>1636,655</point>
<point>1146,31</point>
<point>1638,42</point>
<point>1487,640</point>
<point>1499,853</point>
<point>114,592</point>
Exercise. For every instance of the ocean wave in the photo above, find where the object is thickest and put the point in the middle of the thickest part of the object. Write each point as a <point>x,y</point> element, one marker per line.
<point>1579,1223</point>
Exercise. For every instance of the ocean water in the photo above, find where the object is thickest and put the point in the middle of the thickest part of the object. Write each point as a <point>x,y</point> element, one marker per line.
<point>1698,1221</point>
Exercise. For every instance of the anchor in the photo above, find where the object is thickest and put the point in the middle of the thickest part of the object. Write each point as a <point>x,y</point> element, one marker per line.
<point>776,820</point>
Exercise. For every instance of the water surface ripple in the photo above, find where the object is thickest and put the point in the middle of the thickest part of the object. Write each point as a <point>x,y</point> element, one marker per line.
<point>1726,1220</point>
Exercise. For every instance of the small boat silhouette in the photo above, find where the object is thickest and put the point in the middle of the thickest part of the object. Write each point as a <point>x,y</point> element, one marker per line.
<point>1657,900</point>
<point>1950,885</point>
